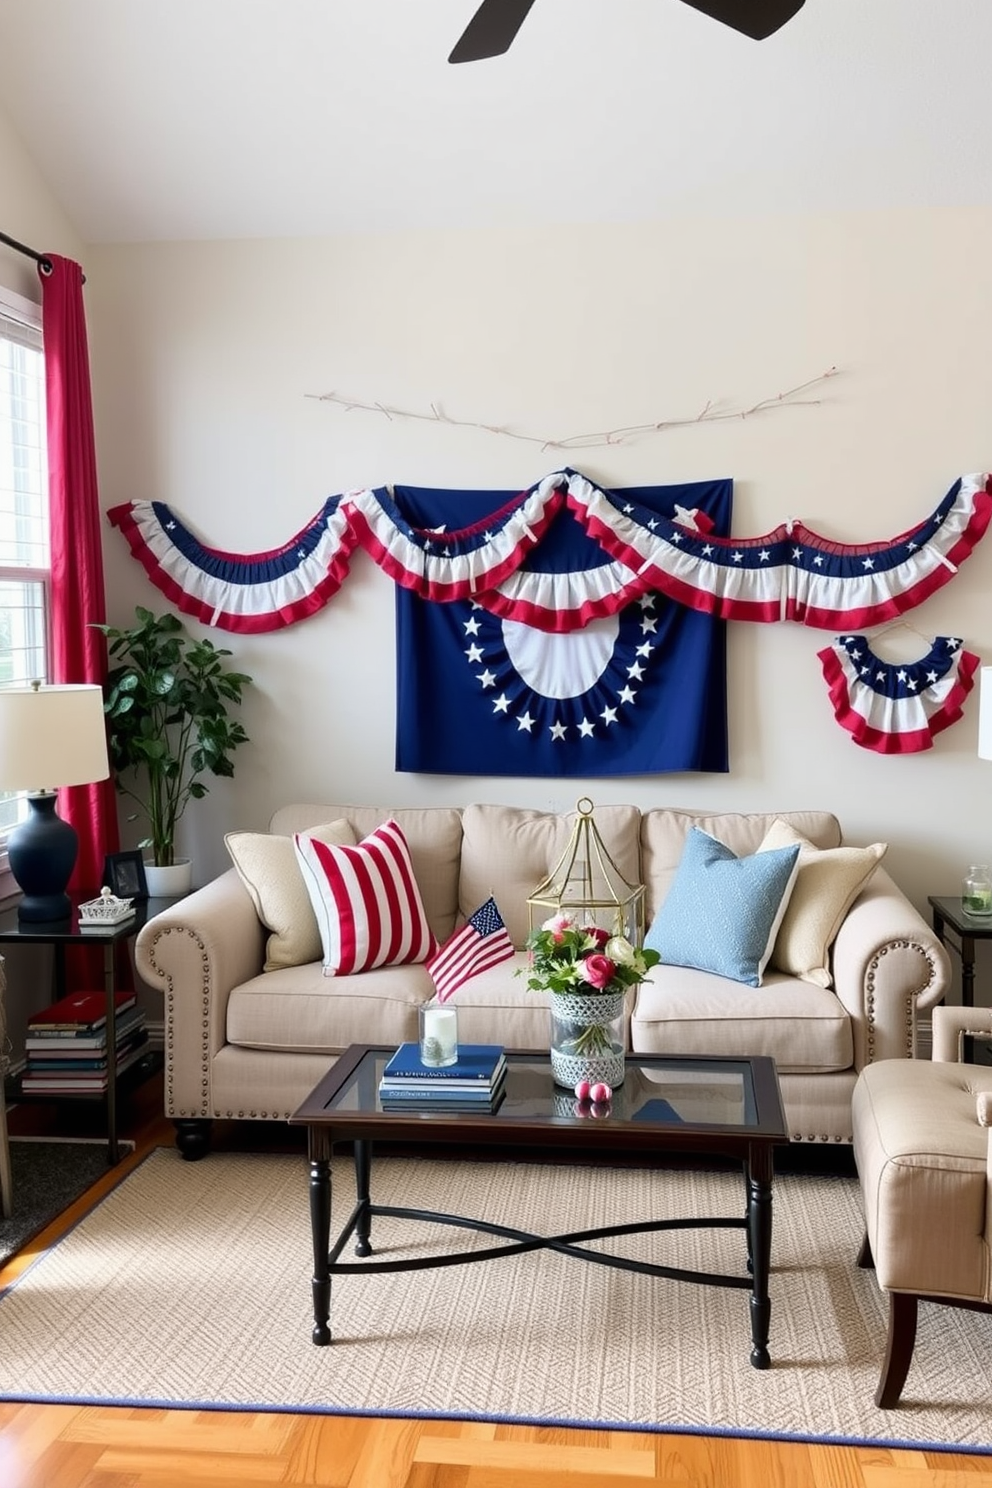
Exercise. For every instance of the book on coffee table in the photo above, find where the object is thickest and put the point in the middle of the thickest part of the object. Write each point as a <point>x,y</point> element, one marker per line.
<point>440,1098</point>
<point>478,1069</point>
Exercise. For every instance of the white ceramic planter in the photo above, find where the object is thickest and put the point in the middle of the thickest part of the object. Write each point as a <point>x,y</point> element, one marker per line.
<point>171,882</point>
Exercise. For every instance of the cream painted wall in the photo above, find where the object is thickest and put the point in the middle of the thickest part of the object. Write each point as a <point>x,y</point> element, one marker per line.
<point>29,213</point>
<point>204,356</point>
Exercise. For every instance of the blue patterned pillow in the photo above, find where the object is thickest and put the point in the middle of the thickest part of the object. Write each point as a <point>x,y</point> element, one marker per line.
<point>722,912</point>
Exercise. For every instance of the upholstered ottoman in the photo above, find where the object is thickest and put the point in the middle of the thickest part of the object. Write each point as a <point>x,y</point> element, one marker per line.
<point>922,1154</point>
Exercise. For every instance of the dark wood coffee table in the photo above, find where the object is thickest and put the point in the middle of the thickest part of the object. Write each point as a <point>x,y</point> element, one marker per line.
<point>706,1107</point>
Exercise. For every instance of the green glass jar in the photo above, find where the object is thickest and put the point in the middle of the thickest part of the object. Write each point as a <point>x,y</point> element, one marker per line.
<point>976,891</point>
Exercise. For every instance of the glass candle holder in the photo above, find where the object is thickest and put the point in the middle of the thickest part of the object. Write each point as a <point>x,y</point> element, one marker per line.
<point>976,891</point>
<point>438,1035</point>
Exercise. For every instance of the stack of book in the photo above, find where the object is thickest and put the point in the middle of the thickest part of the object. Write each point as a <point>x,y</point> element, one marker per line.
<point>474,1082</point>
<point>66,1044</point>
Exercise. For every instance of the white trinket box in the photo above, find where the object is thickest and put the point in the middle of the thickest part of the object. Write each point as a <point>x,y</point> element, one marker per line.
<point>106,911</point>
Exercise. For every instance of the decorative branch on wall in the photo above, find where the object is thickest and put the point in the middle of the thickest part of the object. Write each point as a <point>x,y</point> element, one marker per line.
<point>711,413</point>
<point>791,573</point>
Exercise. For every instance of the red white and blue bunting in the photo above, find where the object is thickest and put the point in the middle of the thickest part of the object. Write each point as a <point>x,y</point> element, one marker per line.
<point>791,573</point>
<point>897,707</point>
<point>245,592</point>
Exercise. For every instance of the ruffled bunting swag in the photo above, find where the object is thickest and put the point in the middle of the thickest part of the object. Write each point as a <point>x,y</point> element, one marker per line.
<point>897,707</point>
<point>246,592</point>
<point>791,573</point>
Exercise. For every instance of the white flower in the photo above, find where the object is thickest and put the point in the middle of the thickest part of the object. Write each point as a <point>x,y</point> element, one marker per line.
<point>620,950</point>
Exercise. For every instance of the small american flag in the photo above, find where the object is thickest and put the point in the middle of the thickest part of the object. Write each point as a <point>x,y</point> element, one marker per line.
<point>482,941</point>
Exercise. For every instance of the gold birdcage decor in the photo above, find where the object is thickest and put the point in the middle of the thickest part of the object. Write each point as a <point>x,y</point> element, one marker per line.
<point>586,884</point>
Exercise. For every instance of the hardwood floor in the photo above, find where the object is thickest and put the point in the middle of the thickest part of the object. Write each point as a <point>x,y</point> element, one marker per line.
<point>62,1446</point>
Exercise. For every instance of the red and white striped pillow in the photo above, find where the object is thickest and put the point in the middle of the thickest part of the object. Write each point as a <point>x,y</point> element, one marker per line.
<point>368,907</point>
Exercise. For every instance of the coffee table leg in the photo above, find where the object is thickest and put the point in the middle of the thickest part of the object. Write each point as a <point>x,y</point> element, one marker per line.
<point>320,1230</point>
<point>759,1217</point>
<point>363,1169</point>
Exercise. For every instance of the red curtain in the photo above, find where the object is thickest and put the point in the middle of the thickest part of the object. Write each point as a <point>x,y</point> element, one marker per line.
<point>79,653</point>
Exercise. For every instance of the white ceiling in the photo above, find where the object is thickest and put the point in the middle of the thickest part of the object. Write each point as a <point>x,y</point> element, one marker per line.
<point>172,119</point>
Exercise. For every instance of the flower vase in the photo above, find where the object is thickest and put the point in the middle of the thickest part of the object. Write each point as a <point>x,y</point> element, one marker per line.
<point>587,1040</point>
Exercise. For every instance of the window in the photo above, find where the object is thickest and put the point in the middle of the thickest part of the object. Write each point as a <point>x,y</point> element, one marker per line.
<point>25,563</point>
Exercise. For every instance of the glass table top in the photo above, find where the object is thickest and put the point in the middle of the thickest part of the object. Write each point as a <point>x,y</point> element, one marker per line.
<point>740,1094</point>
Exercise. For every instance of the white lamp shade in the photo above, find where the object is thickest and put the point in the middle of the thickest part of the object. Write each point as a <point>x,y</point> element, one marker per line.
<point>52,736</point>
<point>985,714</point>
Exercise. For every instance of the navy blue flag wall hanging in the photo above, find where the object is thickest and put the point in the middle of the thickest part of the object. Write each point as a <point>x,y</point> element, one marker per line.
<point>639,689</point>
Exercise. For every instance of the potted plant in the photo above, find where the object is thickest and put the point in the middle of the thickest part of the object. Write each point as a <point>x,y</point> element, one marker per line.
<point>167,700</point>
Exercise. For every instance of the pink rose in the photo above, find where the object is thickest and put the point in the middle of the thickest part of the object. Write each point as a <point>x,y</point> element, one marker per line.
<point>597,970</point>
<point>557,925</point>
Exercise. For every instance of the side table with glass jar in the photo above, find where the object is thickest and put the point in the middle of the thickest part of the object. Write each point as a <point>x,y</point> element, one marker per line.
<point>959,923</point>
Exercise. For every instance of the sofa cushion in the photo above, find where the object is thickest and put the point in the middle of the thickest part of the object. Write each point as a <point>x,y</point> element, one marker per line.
<point>267,866</point>
<point>828,883</point>
<point>681,1012</point>
<point>508,850</point>
<point>722,912</point>
<point>300,1011</point>
<point>664,831</point>
<point>433,835</point>
<point>366,901</point>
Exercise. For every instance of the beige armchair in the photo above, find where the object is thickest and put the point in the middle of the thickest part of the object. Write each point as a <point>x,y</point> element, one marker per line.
<point>923,1148</point>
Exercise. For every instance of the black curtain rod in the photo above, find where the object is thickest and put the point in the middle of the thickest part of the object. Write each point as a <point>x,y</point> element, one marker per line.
<point>44,264</point>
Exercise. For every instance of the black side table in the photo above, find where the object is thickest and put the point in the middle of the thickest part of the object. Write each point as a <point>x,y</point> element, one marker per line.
<point>950,914</point>
<point>62,933</point>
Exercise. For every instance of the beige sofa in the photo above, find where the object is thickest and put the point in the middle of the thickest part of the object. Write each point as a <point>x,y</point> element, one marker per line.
<point>246,1043</point>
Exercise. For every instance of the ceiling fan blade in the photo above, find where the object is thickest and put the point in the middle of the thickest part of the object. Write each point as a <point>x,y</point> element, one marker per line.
<point>491,30</point>
<point>754,18</point>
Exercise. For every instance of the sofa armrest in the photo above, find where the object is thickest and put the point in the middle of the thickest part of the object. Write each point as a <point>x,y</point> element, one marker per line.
<point>198,951</point>
<point>952,1025</point>
<point>888,966</point>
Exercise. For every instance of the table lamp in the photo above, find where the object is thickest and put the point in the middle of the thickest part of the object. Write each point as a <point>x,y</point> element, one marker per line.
<point>49,737</point>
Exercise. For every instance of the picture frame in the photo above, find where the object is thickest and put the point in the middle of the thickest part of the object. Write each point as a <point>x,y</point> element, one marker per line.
<point>124,874</point>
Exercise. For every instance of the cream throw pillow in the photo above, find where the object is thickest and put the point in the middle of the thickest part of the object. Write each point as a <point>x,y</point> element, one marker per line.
<point>267,866</point>
<point>829,881</point>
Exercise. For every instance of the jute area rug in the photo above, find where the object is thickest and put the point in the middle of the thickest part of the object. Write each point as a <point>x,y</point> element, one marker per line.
<point>188,1285</point>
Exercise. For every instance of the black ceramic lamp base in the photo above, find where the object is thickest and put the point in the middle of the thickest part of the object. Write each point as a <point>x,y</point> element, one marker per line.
<point>42,853</point>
